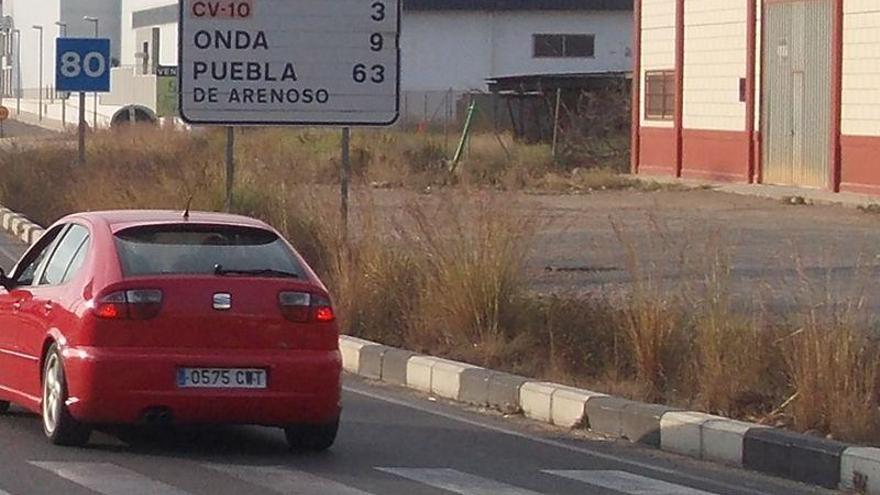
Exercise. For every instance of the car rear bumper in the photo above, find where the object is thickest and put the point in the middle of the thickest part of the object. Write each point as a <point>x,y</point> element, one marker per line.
<point>121,385</point>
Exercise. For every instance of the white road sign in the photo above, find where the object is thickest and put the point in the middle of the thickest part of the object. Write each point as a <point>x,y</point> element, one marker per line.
<point>309,62</point>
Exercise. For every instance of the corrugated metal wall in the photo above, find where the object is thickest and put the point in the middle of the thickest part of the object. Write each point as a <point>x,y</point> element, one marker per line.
<point>796,110</point>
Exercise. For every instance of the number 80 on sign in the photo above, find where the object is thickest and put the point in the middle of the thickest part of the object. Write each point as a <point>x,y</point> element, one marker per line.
<point>83,64</point>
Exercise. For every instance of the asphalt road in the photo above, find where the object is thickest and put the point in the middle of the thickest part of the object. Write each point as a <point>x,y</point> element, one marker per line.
<point>392,442</point>
<point>14,128</point>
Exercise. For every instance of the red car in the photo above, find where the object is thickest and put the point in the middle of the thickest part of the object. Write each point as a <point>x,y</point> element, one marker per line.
<point>126,317</point>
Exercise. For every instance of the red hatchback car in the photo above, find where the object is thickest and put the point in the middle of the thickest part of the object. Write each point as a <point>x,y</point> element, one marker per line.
<point>163,317</point>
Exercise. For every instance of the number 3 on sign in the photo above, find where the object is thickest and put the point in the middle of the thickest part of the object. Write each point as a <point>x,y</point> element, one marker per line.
<point>378,11</point>
<point>93,64</point>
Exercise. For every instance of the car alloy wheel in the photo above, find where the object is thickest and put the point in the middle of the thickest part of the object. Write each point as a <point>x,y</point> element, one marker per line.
<point>58,425</point>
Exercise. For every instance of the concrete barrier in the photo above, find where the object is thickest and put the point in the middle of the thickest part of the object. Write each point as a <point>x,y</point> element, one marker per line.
<point>803,458</point>
<point>682,432</point>
<point>350,347</point>
<point>860,470</point>
<point>418,373</point>
<point>641,422</point>
<point>568,407</point>
<point>370,361</point>
<point>474,386</point>
<point>605,415</point>
<point>446,378</point>
<point>723,440</point>
<point>504,392</point>
<point>394,363</point>
<point>536,400</point>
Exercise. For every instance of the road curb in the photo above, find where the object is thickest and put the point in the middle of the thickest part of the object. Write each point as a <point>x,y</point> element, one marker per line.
<point>20,226</point>
<point>773,451</point>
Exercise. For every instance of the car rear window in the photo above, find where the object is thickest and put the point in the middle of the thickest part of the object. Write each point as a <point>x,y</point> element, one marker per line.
<point>199,249</point>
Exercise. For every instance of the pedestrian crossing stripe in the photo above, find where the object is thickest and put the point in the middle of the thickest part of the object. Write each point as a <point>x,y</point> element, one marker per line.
<point>457,481</point>
<point>111,479</point>
<point>108,479</point>
<point>628,483</point>
<point>283,480</point>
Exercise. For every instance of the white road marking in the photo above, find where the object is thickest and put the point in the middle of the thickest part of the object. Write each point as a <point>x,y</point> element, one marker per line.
<point>286,481</point>
<point>108,479</point>
<point>726,487</point>
<point>457,481</point>
<point>628,483</point>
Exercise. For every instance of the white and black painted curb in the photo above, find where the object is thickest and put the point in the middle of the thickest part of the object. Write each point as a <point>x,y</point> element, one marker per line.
<point>19,226</point>
<point>773,451</point>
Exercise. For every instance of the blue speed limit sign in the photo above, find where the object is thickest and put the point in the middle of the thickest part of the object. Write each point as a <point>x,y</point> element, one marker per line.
<point>83,64</point>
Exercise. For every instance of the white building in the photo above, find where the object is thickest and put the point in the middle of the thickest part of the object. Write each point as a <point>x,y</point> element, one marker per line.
<point>449,47</point>
<point>48,19</point>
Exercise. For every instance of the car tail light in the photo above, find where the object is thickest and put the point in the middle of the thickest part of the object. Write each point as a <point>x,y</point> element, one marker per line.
<point>303,307</point>
<point>136,304</point>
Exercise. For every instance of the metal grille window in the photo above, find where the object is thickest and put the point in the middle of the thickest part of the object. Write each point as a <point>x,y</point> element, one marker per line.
<point>660,95</point>
<point>564,45</point>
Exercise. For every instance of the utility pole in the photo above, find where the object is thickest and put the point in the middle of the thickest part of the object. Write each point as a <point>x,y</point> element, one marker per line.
<point>63,27</point>
<point>17,33</point>
<point>39,29</point>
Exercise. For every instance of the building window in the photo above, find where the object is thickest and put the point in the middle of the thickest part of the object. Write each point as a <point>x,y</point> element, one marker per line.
<point>564,45</point>
<point>660,95</point>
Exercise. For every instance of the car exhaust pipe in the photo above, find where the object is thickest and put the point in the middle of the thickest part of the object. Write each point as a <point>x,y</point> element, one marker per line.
<point>158,416</point>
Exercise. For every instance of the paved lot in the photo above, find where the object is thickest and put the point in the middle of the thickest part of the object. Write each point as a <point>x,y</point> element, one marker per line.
<point>779,254</point>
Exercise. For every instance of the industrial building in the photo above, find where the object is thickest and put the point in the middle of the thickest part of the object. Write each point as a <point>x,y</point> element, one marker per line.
<point>760,91</point>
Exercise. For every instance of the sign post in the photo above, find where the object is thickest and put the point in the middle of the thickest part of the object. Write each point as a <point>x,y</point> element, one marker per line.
<point>83,65</point>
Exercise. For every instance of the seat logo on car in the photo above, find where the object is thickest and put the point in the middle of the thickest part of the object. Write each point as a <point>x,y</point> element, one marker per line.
<point>222,301</point>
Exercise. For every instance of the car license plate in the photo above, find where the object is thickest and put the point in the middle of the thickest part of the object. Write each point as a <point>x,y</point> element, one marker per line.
<point>221,378</point>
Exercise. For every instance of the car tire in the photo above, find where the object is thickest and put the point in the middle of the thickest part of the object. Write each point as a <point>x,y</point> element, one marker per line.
<point>4,407</point>
<point>58,425</point>
<point>313,438</point>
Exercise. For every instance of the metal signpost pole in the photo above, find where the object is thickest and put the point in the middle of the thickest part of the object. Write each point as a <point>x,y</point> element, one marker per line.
<point>82,128</point>
<point>344,181</point>
<point>230,167</point>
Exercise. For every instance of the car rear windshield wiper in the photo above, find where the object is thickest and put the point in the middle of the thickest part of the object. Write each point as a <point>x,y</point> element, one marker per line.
<point>268,272</point>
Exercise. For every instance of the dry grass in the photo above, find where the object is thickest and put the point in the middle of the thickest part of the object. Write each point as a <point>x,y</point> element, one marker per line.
<point>444,274</point>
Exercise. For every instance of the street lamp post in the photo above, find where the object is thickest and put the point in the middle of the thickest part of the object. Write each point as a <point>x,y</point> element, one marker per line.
<point>62,26</point>
<point>96,21</point>
<point>17,33</point>
<point>39,29</point>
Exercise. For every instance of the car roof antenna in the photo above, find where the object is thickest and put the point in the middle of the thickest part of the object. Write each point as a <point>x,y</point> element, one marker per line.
<point>188,204</point>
